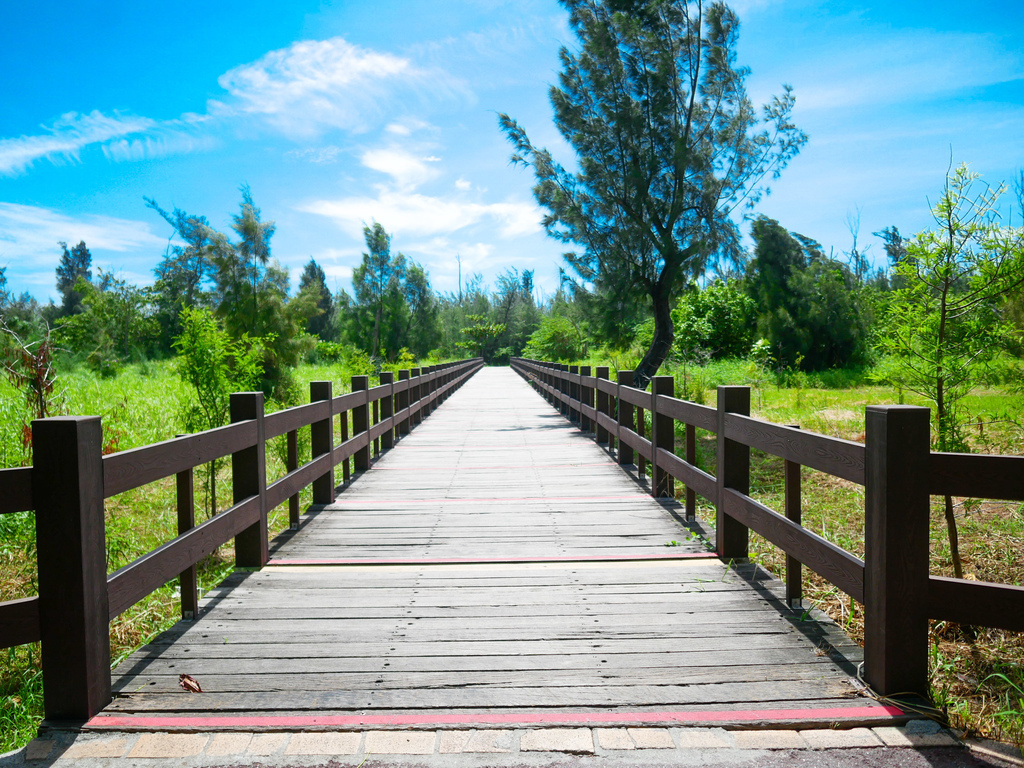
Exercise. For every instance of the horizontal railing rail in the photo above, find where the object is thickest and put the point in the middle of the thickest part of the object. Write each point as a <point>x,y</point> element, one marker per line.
<point>70,479</point>
<point>895,465</point>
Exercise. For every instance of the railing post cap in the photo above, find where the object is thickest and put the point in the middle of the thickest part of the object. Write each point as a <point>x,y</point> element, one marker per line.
<point>897,409</point>
<point>66,419</point>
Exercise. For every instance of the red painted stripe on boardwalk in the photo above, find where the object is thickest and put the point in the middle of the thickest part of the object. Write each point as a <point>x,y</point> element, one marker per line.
<point>831,714</point>
<point>446,500</point>
<point>460,467</point>
<point>462,560</point>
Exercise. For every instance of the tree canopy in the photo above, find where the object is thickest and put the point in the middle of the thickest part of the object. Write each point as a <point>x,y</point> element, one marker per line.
<point>668,145</point>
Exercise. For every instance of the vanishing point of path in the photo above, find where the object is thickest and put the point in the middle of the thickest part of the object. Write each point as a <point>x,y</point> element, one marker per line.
<point>496,568</point>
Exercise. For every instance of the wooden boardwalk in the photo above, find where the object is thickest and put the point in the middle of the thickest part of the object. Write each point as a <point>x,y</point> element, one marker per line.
<point>495,567</point>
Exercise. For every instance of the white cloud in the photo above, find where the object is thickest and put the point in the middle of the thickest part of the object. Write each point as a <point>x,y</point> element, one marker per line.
<point>406,169</point>
<point>29,237</point>
<point>414,214</point>
<point>463,184</point>
<point>407,126</point>
<point>319,155</point>
<point>315,85</point>
<point>68,135</point>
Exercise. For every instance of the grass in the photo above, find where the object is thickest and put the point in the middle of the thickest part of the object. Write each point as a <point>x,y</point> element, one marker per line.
<point>138,407</point>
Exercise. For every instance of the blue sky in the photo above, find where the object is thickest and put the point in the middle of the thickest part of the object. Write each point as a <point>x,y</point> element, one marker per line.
<point>342,113</point>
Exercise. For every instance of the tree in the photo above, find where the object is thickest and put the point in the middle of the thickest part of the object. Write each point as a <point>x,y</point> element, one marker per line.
<point>806,303</point>
<point>213,366</point>
<point>251,294</point>
<point>944,322</point>
<point>115,326</point>
<point>314,282</point>
<point>74,264</point>
<point>378,283</point>
<point>668,146</point>
<point>183,272</point>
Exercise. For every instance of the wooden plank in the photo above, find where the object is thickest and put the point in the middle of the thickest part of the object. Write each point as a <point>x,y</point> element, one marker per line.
<point>126,586</point>
<point>497,476</point>
<point>279,490</point>
<point>19,622</point>
<point>976,602</point>
<point>971,475</point>
<point>842,458</point>
<point>282,422</point>
<point>701,416</point>
<point>697,479</point>
<point>820,555</point>
<point>130,469</point>
<point>16,493</point>
<point>634,441</point>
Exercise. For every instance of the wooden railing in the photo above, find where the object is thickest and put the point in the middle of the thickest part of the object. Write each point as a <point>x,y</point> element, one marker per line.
<point>895,465</point>
<point>70,478</point>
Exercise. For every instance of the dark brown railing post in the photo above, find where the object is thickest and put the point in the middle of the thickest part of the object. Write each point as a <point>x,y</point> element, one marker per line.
<point>574,394</point>
<point>403,403</point>
<point>188,584</point>
<point>249,478</point>
<point>321,440</point>
<point>428,374</point>
<point>896,510</point>
<point>794,512</point>
<point>387,410</point>
<point>346,468</point>
<point>691,459</point>
<point>374,421</point>
<point>586,398</point>
<point>602,404</point>
<point>292,464</point>
<point>67,488</point>
<point>361,424</point>
<point>663,435</point>
<point>563,388</point>
<point>417,391</point>
<point>733,472</point>
<point>625,417</point>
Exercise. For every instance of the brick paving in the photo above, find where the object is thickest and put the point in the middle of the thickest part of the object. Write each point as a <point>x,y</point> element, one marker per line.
<point>668,745</point>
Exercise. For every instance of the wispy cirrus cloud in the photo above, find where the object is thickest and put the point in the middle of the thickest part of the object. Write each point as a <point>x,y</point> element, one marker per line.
<point>63,140</point>
<point>301,91</point>
<point>317,85</point>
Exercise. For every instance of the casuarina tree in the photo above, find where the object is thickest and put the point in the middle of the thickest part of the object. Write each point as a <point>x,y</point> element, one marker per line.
<point>668,146</point>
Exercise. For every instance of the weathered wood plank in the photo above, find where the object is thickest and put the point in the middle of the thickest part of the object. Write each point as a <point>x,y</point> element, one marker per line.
<point>495,474</point>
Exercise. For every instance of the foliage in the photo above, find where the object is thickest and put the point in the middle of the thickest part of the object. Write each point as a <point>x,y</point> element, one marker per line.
<point>252,297</point>
<point>183,272</point>
<point>716,321</point>
<point>668,145</point>
<point>74,264</point>
<point>480,336</point>
<point>943,324</point>
<point>393,295</point>
<point>213,366</point>
<point>115,326</point>
<point>807,304</point>
<point>557,340</point>
<point>314,282</point>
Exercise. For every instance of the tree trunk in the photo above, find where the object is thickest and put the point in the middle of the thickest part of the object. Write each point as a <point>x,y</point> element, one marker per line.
<point>661,345</point>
